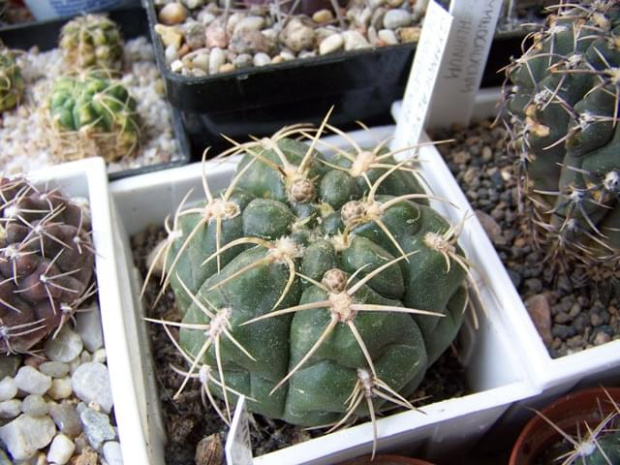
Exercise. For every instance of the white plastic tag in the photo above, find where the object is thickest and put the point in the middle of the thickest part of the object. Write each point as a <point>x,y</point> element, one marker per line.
<point>423,77</point>
<point>238,446</point>
<point>463,64</point>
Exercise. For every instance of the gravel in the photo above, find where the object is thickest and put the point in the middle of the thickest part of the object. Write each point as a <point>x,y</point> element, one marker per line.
<point>581,312</point>
<point>23,133</point>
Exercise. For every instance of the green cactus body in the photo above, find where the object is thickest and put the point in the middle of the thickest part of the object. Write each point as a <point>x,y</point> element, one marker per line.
<point>92,41</point>
<point>90,114</point>
<point>563,108</point>
<point>11,81</point>
<point>314,323</point>
<point>46,263</point>
<point>607,450</point>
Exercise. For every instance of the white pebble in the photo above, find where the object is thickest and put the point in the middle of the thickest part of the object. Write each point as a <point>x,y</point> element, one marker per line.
<point>353,40</point>
<point>65,347</point>
<point>25,435</point>
<point>88,326</point>
<point>91,383</point>
<point>8,388</point>
<point>388,37</point>
<point>10,408</point>
<point>100,356</point>
<point>176,66</point>
<point>85,357</point>
<point>32,381</point>
<point>61,388</point>
<point>397,18</point>
<point>54,369</point>
<point>261,59</point>
<point>35,406</point>
<point>331,44</point>
<point>112,453</point>
<point>216,59</point>
<point>171,53</point>
<point>251,23</point>
<point>61,450</point>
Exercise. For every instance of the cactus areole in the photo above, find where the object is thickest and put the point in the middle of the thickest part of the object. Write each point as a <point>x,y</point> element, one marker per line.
<point>46,263</point>
<point>563,104</point>
<point>319,289</point>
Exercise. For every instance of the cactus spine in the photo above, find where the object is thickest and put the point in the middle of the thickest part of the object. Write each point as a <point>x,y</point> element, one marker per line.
<point>314,284</point>
<point>563,108</point>
<point>46,263</point>
<point>11,80</point>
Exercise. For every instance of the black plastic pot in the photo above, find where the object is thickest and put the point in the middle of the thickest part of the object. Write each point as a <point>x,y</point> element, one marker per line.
<point>133,23</point>
<point>361,86</point>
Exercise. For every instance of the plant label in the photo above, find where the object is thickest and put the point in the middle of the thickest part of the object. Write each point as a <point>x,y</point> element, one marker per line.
<point>238,447</point>
<point>423,77</point>
<point>467,51</point>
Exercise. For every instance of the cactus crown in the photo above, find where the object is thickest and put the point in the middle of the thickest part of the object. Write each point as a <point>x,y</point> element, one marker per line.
<point>90,114</point>
<point>316,314</point>
<point>92,41</point>
<point>46,263</point>
<point>562,103</point>
<point>11,80</point>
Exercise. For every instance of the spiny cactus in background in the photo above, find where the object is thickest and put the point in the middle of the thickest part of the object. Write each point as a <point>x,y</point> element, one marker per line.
<point>563,104</point>
<point>92,115</point>
<point>11,80</point>
<point>4,6</point>
<point>46,263</point>
<point>320,286</point>
<point>92,41</point>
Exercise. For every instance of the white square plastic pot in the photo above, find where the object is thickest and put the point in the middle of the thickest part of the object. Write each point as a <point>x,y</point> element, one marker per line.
<point>492,354</point>
<point>88,179</point>
<point>552,376</point>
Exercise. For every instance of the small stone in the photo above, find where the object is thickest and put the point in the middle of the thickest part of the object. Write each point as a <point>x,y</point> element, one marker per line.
<point>487,153</point>
<point>85,357</point>
<point>25,435</point>
<point>388,37</point>
<point>205,17</point>
<point>9,365</point>
<point>65,347</point>
<point>10,408</point>
<point>395,19</point>
<point>172,13</point>
<point>353,40</point>
<point>61,388</point>
<point>66,418</point>
<point>195,34</point>
<point>87,457</point>
<point>297,36</point>
<point>176,66</point>
<point>243,61</point>
<point>8,388</point>
<point>97,428</point>
<point>54,369</point>
<point>61,450</point>
<point>35,406</point>
<point>601,338</point>
<point>169,35</point>
<point>410,34</point>
<point>171,53</point>
<point>112,453</point>
<point>490,226</point>
<point>100,356</point>
<point>250,42</point>
<point>538,308</point>
<point>91,383</point>
<point>32,381</point>
<point>209,450</point>
<point>323,16</point>
<point>533,285</point>
<point>261,59</point>
<point>596,320</point>
<point>331,44</point>
<point>250,23</point>
<point>216,35</point>
<point>227,68</point>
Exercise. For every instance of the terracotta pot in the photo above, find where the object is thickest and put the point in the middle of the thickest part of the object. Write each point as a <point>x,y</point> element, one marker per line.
<point>574,409</point>
<point>386,460</point>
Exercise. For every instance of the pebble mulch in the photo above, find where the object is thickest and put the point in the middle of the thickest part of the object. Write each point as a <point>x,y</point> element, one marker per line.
<point>570,312</point>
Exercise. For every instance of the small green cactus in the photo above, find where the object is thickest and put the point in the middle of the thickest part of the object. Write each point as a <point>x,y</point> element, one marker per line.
<point>46,263</point>
<point>92,41</point>
<point>563,107</point>
<point>317,285</point>
<point>11,80</point>
<point>93,115</point>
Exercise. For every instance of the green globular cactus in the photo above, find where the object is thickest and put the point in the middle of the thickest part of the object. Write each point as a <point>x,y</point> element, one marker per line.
<point>317,285</point>
<point>92,41</point>
<point>563,106</point>
<point>90,115</point>
<point>46,263</point>
<point>11,80</point>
